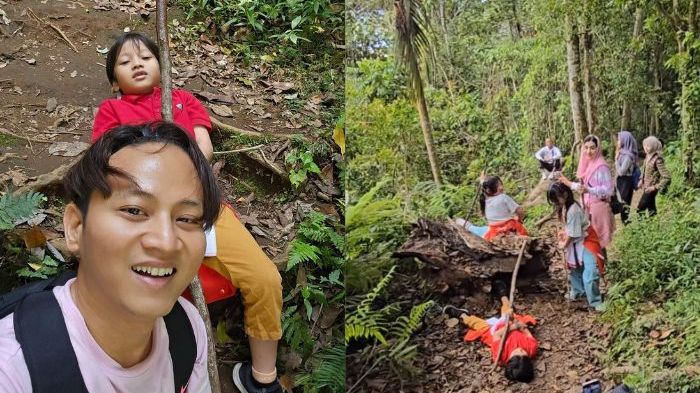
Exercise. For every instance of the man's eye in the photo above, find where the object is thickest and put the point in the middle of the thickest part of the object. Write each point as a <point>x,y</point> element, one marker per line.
<point>134,211</point>
<point>190,220</point>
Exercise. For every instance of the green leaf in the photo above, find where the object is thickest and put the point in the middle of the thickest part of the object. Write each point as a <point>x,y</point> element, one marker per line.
<point>296,22</point>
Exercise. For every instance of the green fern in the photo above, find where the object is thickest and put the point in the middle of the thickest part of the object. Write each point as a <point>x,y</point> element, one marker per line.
<point>14,208</point>
<point>363,322</point>
<point>404,327</point>
<point>296,331</point>
<point>302,252</point>
<point>328,373</point>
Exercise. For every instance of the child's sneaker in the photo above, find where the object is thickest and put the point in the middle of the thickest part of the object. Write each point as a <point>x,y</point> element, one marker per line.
<point>572,297</point>
<point>245,383</point>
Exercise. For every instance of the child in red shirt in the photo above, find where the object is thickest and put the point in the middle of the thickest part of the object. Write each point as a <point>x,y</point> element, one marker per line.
<point>133,70</point>
<point>520,346</point>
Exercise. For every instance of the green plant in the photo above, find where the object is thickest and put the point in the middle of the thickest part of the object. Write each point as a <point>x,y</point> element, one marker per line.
<point>14,208</point>
<point>42,269</point>
<point>328,371</point>
<point>301,164</point>
<point>363,322</point>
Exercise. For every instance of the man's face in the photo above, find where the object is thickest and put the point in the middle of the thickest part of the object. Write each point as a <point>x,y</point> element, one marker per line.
<point>140,247</point>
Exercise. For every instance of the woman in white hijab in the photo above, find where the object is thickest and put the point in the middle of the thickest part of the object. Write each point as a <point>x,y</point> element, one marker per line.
<point>655,176</point>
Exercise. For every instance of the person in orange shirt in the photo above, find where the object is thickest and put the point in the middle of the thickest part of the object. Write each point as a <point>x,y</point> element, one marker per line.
<point>520,346</point>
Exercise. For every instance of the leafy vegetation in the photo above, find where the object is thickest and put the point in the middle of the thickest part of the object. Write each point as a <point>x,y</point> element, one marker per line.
<point>15,208</point>
<point>655,296</point>
<point>315,281</point>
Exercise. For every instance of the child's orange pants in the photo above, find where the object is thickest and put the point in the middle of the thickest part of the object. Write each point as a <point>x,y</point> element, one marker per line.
<point>240,259</point>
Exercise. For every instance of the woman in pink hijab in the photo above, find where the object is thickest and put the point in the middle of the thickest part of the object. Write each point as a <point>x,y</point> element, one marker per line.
<point>596,185</point>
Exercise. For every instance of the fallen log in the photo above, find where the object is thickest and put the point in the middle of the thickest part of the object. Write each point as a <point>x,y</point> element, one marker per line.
<point>461,255</point>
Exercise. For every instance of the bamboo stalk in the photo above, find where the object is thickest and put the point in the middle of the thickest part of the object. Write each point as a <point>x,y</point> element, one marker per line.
<point>167,112</point>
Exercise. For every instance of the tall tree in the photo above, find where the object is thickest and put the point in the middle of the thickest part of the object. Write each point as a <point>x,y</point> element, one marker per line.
<point>573,65</point>
<point>412,45</point>
<point>626,120</point>
<point>684,16</point>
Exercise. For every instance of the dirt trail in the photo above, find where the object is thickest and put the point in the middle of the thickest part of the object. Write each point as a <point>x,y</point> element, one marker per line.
<point>571,341</point>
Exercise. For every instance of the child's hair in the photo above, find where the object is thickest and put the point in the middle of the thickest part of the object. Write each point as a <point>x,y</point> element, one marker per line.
<point>489,187</point>
<point>137,39</point>
<point>557,190</point>
<point>519,368</point>
<point>90,173</point>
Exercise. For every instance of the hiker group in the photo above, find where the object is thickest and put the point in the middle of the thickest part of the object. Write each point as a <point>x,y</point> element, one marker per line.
<point>143,213</point>
<point>586,228</point>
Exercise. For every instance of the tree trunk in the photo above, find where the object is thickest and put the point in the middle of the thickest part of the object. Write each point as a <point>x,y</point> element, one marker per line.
<point>636,33</point>
<point>516,27</point>
<point>588,88</point>
<point>425,125</point>
<point>573,65</point>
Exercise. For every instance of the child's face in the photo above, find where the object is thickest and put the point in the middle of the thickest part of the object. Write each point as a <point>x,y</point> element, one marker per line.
<point>548,143</point>
<point>137,71</point>
<point>646,148</point>
<point>499,188</point>
<point>140,247</point>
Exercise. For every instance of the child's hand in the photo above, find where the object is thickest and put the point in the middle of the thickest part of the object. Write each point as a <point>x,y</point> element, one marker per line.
<point>482,176</point>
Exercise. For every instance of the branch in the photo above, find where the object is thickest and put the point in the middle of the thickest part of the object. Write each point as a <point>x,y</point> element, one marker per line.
<point>59,31</point>
<point>238,150</point>
<point>167,112</point>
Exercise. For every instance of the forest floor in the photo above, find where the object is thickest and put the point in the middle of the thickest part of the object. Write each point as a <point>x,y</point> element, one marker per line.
<point>50,88</point>
<point>571,339</point>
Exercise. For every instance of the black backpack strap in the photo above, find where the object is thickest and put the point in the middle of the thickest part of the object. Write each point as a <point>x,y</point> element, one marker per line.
<point>183,346</point>
<point>41,332</point>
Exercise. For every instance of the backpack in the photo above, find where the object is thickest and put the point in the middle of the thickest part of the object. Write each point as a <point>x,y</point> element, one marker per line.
<point>48,352</point>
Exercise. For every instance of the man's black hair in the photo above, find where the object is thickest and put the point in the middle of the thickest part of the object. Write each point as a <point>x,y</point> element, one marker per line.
<point>137,39</point>
<point>91,172</point>
<point>519,368</point>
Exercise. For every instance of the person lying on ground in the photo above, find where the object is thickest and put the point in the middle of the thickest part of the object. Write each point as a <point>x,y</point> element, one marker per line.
<point>520,346</point>
<point>578,238</point>
<point>549,157</point>
<point>502,213</point>
<point>133,70</point>
<point>139,201</point>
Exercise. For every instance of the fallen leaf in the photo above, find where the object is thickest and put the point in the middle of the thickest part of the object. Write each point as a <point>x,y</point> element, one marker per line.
<point>221,334</point>
<point>68,149</point>
<point>34,237</point>
<point>221,110</point>
<point>452,322</point>
<point>291,96</point>
<point>287,383</point>
<point>665,334</point>
<point>327,174</point>
<point>74,74</point>
<point>31,61</point>
<point>35,266</point>
<point>282,86</point>
<point>214,97</point>
<point>292,361</point>
<point>654,334</point>
<point>339,137</point>
<point>102,50</point>
<point>51,104</point>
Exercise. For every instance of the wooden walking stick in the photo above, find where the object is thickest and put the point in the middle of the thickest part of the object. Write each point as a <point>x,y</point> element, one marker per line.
<point>512,294</point>
<point>167,113</point>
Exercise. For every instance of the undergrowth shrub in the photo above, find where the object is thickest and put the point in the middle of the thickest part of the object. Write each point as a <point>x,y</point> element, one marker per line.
<point>655,301</point>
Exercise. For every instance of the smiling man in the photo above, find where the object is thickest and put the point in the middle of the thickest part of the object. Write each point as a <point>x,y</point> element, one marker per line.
<point>139,202</point>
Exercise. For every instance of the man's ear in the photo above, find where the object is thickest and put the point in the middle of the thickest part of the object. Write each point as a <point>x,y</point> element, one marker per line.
<point>73,221</point>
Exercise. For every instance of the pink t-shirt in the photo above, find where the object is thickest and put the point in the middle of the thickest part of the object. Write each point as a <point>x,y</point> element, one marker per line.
<point>100,372</point>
